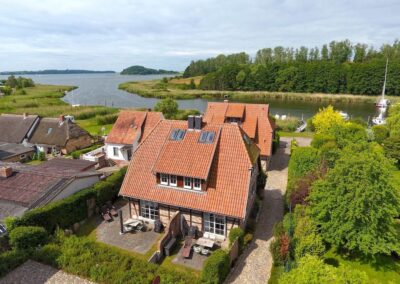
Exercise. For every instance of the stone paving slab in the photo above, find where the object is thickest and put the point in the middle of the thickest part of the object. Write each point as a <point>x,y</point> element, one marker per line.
<point>32,272</point>
<point>254,265</point>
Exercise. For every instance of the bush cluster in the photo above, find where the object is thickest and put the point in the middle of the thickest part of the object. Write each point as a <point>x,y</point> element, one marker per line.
<point>77,153</point>
<point>107,119</point>
<point>28,237</point>
<point>216,267</point>
<point>236,233</point>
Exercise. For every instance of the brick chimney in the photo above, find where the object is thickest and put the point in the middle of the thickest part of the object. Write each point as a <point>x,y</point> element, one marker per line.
<point>61,118</point>
<point>6,172</point>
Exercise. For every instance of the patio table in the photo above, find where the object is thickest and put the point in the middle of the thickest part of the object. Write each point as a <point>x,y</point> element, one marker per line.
<point>131,224</point>
<point>205,242</point>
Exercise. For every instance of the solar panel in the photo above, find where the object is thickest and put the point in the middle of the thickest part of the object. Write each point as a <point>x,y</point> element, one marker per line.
<point>210,137</point>
<point>203,137</point>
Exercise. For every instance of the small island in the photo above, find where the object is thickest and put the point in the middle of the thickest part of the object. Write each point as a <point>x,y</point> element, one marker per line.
<point>141,70</point>
<point>53,71</point>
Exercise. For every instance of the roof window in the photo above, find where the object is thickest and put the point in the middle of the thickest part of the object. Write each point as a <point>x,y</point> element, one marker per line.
<point>177,134</point>
<point>207,137</point>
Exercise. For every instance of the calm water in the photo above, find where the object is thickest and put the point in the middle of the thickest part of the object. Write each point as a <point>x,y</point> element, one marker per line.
<point>102,89</point>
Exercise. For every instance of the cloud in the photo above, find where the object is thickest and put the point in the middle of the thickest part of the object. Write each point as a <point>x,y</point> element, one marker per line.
<point>169,34</point>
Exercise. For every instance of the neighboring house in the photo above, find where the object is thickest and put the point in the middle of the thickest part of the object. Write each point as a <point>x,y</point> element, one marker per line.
<point>130,128</point>
<point>23,187</point>
<point>59,134</point>
<point>16,128</point>
<point>12,152</point>
<point>207,172</point>
<point>252,118</point>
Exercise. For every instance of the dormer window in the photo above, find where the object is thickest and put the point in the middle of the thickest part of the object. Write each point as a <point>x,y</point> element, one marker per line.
<point>196,184</point>
<point>172,180</point>
<point>187,183</point>
<point>164,179</point>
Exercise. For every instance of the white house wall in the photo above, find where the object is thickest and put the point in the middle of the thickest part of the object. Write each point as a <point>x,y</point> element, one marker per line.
<point>77,185</point>
<point>122,153</point>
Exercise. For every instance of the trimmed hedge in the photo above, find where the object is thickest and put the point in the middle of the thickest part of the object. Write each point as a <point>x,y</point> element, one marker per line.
<point>216,267</point>
<point>108,190</point>
<point>28,237</point>
<point>236,233</point>
<point>10,260</point>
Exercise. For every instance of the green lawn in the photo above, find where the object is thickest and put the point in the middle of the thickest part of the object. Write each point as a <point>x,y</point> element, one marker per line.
<point>384,269</point>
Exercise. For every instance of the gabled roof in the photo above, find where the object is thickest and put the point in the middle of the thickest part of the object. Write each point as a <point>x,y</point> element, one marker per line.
<point>50,131</point>
<point>187,157</point>
<point>228,176</point>
<point>15,128</point>
<point>255,121</point>
<point>29,185</point>
<point>130,124</point>
<point>8,150</point>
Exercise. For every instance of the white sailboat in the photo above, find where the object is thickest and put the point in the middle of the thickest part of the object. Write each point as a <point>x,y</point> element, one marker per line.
<point>380,119</point>
<point>383,103</point>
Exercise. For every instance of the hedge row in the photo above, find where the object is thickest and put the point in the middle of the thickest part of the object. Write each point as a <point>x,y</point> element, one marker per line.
<point>77,153</point>
<point>103,264</point>
<point>216,267</point>
<point>68,211</point>
<point>10,260</point>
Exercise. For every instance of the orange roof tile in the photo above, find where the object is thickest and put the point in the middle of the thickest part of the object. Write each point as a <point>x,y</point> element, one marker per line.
<point>229,175</point>
<point>256,122</point>
<point>131,123</point>
<point>235,110</point>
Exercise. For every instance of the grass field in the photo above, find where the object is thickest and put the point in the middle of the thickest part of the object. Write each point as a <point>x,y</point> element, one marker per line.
<point>159,89</point>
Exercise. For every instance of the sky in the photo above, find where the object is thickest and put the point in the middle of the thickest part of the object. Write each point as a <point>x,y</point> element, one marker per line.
<point>168,34</point>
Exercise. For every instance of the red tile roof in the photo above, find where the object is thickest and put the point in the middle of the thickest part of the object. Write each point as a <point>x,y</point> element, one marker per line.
<point>255,121</point>
<point>131,123</point>
<point>229,171</point>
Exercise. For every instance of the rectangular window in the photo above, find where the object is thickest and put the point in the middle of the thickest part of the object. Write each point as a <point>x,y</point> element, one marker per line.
<point>188,183</point>
<point>164,179</point>
<point>115,151</point>
<point>214,224</point>
<point>196,184</point>
<point>149,210</point>
<point>172,180</point>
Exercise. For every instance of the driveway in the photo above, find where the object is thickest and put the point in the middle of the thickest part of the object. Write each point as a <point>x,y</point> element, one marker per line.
<point>254,265</point>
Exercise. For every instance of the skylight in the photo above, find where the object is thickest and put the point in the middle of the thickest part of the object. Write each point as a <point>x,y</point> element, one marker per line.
<point>177,134</point>
<point>207,137</point>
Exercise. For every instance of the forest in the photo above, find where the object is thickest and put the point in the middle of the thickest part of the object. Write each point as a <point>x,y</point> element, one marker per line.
<point>337,67</point>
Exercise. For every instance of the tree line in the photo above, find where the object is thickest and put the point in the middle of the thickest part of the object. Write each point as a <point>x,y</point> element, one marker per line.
<point>339,67</point>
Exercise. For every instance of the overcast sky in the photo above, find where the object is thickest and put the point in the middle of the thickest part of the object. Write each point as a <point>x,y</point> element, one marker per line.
<point>113,34</point>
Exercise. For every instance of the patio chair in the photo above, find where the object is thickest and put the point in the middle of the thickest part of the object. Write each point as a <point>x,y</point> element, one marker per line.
<point>205,251</point>
<point>105,213</point>
<point>197,248</point>
<point>112,209</point>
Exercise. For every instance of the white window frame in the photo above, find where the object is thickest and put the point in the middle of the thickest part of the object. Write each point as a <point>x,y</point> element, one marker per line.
<point>185,180</point>
<point>164,176</point>
<point>196,180</point>
<point>171,177</point>
<point>149,210</point>
<point>115,149</point>
<point>214,224</point>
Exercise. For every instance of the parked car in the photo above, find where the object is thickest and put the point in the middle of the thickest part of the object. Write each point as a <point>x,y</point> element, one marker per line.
<point>3,230</point>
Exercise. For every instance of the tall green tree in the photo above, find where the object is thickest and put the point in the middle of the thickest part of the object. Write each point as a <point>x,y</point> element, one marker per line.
<point>168,106</point>
<point>356,204</point>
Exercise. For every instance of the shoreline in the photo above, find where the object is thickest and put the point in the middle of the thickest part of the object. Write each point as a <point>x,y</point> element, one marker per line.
<point>157,89</point>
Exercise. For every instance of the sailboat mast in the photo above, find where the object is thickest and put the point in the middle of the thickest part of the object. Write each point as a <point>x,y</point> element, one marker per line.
<point>384,82</point>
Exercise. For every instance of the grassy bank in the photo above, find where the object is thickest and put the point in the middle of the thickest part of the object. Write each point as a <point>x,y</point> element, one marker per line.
<point>175,88</point>
<point>45,100</point>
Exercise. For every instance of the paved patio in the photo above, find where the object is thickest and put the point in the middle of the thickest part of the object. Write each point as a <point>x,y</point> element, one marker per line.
<point>194,261</point>
<point>109,233</point>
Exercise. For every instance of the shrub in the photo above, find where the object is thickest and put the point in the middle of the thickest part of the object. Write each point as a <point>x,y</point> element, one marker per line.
<point>28,237</point>
<point>321,139</point>
<point>236,233</point>
<point>310,244</point>
<point>216,267</point>
<point>302,161</point>
<point>48,254</point>
<point>107,119</point>
<point>275,142</point>
<point>293,145</point>
<point>77,153</point>
<point>247,239</point>
<point>10,260</point>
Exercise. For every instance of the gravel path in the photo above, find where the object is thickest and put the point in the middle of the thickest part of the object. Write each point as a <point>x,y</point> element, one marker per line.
<point>254,265</point>
<point>32,272</point>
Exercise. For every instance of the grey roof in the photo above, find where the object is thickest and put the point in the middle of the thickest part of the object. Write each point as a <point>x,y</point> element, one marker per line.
<point>8,150</point>
<point>50,131</point>
<point>14,128</point>
<point>9,208</point>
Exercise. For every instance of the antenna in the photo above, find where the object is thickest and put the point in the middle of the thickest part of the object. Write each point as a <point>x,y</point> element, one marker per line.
<point>384,82</point>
